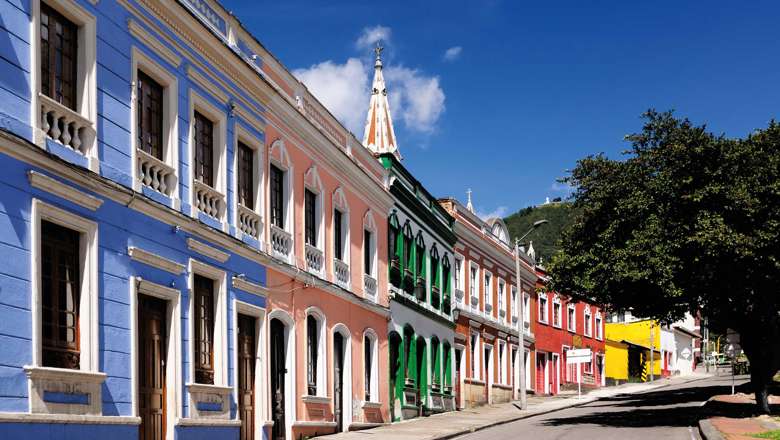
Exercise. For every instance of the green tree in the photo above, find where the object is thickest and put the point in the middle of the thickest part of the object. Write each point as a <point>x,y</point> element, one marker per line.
<point>686,221</point>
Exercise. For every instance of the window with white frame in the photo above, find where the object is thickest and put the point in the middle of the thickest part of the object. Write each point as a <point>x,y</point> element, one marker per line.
<point>588,366</point>
<point>459,280</point>
<point>513,304</point>
<point>370,367</point>
<point>502,374</point>
<point>65,91</point>
<point>599,326</point>
<point>341,239</point>
<point>588,323</point>
<point>369,255</point>
<point>248,172</point>
<point>155,128</point>
<point>543,306</point>
<point>313,221</point>
<point>527,308</point>
<point>557,311</point>
<point>208,324</point>
<point>501,300</point>
<point>207,152</point>
<point>315,353</point>
<point>474,284</point>
<point>474,367</point>
<point>487,291</point>
<point>571,317</point>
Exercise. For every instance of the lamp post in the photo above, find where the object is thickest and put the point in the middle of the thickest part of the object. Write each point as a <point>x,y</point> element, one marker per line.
<point>521,318</point>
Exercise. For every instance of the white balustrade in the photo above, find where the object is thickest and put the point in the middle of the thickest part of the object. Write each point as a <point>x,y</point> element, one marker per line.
<point>369,285</point>
<point>502,313</point>
<point>341,272</point>
<point>66,126</point>
<point>314,259</point>
<point>208,200</point>
<point>488,307</point>
<point>474,301</point>
<point>459,295</point>
<point>155,174</point>
<point>281,242</point>
<point>249,222</point>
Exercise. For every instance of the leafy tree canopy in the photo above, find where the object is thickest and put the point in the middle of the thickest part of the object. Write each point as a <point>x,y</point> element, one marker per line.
<point>687,221</point>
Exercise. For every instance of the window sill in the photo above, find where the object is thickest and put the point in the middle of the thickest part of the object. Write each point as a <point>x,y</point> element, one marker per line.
<point>65,391</point>
<point>319,400</point>
<point>371,405</point>
<point>68,418</point>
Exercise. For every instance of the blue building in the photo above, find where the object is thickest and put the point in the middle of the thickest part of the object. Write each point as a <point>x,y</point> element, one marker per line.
<point>132,276</point>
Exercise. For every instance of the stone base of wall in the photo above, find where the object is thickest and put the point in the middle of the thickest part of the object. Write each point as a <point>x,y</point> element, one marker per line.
<point>501,395</point>
<point>474,394</point>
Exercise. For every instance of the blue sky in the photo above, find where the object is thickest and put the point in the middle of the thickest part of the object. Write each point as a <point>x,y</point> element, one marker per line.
<point>534,85</point>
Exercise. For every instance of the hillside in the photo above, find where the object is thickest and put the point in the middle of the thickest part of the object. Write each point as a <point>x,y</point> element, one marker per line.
<point>559,215</point>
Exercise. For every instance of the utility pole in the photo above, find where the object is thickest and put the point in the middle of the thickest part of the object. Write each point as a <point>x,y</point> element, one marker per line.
<point>521,321</point>
<point>652,349</point>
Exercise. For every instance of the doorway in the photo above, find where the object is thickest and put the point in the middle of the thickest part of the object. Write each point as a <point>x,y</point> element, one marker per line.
<point>152,349</point>
<point>338,381</point>
<point>278,379</point>
<point>247,355</point>
<point>458,354</point>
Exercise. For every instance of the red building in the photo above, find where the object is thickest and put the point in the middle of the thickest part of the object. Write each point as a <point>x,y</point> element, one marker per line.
<point>561,324</point>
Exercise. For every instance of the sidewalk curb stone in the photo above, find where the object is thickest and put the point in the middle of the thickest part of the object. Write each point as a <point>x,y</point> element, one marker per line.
<point>708,431</point>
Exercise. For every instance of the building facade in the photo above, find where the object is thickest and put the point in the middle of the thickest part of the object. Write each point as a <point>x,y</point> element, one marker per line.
<point>563,324</point>
<point>198,247</point>
<point>486,308</point>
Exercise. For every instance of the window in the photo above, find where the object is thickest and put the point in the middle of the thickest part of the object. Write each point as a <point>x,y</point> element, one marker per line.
<point>543,308</point>
<point>277,196</point>
<point>204,329</point>
<point>488,291</point>
<point>557,312</point>
<point>501,366</point>
<point>571,318</point>
<point>204,149</point>
<point>370,366</point>
<point>447,280</point>
<point>59,57</point>
<point>338,235</point>
<point>501,293</point>
<point>368,253</point>
<point>245,171</point>
<point>407,248</point>
<point>474,371</point>
<point>367,366</point>
<point>310,217</point>
<point>435,364</point>
<point>527,309</point>
<point>588,323</point>
<point>473,282</point>
<point>588,366</point>
<point>150,116</point>
<point>458,272</point>
<point>312,344</point>
<point>513,305</point>
<point>598,325</point>
<point>61,291</point>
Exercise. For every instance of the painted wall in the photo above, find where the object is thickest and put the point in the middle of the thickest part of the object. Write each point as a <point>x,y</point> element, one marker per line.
<point>616,360</point>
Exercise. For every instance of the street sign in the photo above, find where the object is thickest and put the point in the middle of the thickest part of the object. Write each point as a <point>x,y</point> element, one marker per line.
<point>578,356</point>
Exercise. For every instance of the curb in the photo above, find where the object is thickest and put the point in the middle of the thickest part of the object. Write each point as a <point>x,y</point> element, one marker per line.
<point>708,431</point>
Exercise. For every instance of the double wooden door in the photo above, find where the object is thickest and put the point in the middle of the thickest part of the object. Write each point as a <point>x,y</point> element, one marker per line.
<point>152,350</point>
<point>247,358</point>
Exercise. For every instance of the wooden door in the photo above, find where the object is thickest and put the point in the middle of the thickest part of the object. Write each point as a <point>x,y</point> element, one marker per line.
<point>338,381</point>
<point>278,373</point>
<point>151,367</point>
<point>486,377</point>
<point>541,366</point>
<point>247,356</point>
<point>457,378</point>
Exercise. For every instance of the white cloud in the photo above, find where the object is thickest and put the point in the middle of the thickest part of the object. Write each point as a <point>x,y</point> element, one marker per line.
<point>452,53</point>
<point>561,187</point>
<point>372,35</point>
<point>500,212</point>
<point>414,97</point>
<point>342,88</point>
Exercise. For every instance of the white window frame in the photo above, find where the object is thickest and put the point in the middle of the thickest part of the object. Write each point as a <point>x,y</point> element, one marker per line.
<point>543,316</point>
<point>571,324</point>
<point>459,273</point>
<point>170,143</point>
<point>219,119</point>
<point>476,358</point>
<point>339,202</point>
<point>284,163</point>
<point>86,70</point>
<point>557,302</point>
<point>243,135</point>
<point>599,324</point>
<point>261,366</point>
<point>502,373</point>
<point>474,287</point>
<point>322,352</point>
<point>370,225</point>
<point>587,322</point>
<point>487,289</point>
<point>513,301</point>
<point>173,362</point>
<point>527,308</point>
<point>220,320</point>
<point>374,390</point>
<point>501,293</point>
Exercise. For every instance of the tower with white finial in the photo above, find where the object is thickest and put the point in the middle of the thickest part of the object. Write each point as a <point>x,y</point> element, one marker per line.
<point>379,136</point>
<point>469,206</point>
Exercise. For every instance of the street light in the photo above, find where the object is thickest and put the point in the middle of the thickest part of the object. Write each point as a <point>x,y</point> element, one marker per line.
<point>521,319</point>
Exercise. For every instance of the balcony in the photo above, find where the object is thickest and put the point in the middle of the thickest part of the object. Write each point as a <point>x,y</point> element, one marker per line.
<point>66,126</point>
<point>369,285</point>
<point>515,319</point>
<point>249,222</point>
<point>208,200</point>
<point>488,308</point>
<point>314,259</point>
<point>474,301</point>
<point>155,174</point>
<point>419,289</point>
<point>435,295</point>
<point>459,294</point>
<point>341,273</point>
<point>408,281</point>
<point>281,243</point>
<point>446,305</point>
<point>395,271</point>
<point>502,313</point>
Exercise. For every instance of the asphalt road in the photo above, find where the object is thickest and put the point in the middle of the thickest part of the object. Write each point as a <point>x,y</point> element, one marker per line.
<point>670,412</point>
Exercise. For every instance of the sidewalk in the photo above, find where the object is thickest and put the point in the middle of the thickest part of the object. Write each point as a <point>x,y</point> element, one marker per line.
<point>452,424</point>
<point>732,418</point>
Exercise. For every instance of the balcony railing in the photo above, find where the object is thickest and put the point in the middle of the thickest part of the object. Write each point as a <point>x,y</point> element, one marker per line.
<point>514,319</point>
<point>435,295</point>
<point>488,308</point>
<point>502,313</point>
<point>419,289</point>
<point>155,174</point>
<point>249,222</point>
<point>66,126</point>
<point>341,273</point>
<point>208,200</point>
<point>369,285</point>
<point>474,301</point>
<point>314,259</point>
<point>281,243</point>
<point>459,294</point>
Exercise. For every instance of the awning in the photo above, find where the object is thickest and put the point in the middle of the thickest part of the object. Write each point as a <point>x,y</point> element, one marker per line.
<point>632,344</point>
<point>684,330</point>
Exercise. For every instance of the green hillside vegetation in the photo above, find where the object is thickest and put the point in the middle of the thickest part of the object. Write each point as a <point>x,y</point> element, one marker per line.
<point>545,238</point>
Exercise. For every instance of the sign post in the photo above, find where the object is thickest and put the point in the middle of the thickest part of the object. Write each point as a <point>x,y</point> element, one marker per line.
<point>577,357</point>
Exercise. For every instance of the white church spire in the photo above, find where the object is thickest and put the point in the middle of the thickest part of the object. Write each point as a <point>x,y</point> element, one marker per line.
<point>379,136</point>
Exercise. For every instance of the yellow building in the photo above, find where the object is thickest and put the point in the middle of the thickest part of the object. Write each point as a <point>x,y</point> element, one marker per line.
<point>627,351</point>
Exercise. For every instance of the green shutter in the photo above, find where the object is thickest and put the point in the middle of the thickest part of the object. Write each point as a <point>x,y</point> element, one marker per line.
<point>436,364</point>
<point>447,366</point>
<point>423,385</point>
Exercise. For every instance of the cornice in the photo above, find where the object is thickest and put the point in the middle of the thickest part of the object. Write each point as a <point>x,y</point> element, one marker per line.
<point>209,251</point>
<point>248,286</point>
<point>59,189</point>
<point>154,260</point>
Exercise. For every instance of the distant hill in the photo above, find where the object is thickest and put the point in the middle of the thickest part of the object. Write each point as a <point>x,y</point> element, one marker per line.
<point>545,238</point>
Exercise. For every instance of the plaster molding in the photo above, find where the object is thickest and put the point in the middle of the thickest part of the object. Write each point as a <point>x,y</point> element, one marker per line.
<point>67,192</point>
<point>319,400</point>
<point>248,286</point>
<point>204,249</point>
<point>154,260</point>
<point>6,417</point>
<point>153,42</point>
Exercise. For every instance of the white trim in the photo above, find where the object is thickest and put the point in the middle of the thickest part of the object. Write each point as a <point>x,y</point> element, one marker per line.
<point>219,119</point>
<point>67,192</point>
<point>502,357</point>
<point>373,392</point>
<point>339,202</point>
<point>88,308</point>
<point>369,225</point>
<point>173,364</point>
<point>16,417</point>
<point>313,183</point>
<point>208,251</point>
<point>280,158</point>
<point>557,301</point>
<point>261,366</point>
<point>546,313</point>
<point>346,392</point>
<point>322,352</point>
<point>474,287</point>
<point>490,379</point>
<point>587,322</point>
<point>244,136</point>
<point>248,286</point>
<point>153,43</point>
<point>220,321</point>
<point>571,325</point>
<point>290,379</point>
<point>476,357</point>
<point>154,260</point>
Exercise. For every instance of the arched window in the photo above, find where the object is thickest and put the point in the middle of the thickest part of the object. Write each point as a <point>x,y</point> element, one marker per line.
<point>446,303</point>
<point>315,353</point>
<point>370,367</point>
<point>406,260</point>
<point>435,364</point>
<point>447,355</point>
<point>419,267</point>
<point>394,249</point>
<point>435,277</point>
<point>409,359</point>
